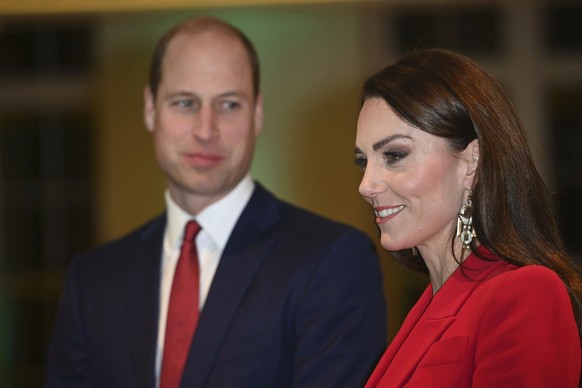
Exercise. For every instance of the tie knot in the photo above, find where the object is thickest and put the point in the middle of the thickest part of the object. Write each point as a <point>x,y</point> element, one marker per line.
<point>192,229</point>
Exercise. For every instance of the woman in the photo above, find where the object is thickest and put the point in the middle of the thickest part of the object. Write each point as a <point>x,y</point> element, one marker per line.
<point>455,191</point>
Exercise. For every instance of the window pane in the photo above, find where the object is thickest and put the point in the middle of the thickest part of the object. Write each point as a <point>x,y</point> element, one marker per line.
<point>566,130</point>
<point>471,30</point>
<point>562,25</point>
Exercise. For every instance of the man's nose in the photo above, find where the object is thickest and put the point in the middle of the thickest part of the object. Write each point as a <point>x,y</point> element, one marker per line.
<point>205,128</point>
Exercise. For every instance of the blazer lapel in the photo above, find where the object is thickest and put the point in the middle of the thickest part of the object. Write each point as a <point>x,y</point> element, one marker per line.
<point>242,258</point>
<point>427,331</point>
<point>398,373</point>
<point>430,318</point>
<point>142,300</point>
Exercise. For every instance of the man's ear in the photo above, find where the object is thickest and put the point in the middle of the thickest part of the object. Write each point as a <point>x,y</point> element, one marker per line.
<point>258,114</point>
<point>149,109</point>
<point>471,156</point>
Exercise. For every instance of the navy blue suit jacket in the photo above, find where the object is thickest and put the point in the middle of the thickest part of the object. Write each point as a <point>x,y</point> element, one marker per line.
<point>296,301</point>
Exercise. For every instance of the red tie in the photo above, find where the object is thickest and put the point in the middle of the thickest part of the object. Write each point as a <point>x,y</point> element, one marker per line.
<point>182,311</point>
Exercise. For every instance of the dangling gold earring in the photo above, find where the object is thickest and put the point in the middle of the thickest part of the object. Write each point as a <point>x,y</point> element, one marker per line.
<point>465,228</point>
<point>414,251</point>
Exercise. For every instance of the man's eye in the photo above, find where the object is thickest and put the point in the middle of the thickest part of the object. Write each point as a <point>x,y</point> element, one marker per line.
<point>230,105</point>
<point>183,103</point>
<point>187,103</point>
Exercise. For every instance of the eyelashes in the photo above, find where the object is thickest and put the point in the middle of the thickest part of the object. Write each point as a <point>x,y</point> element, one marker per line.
<point>361,162</point>
<point>391,158</point>
<point>394,156</point>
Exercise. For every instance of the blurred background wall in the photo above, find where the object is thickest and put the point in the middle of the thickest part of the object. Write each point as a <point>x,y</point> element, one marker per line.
<point>77,167</point>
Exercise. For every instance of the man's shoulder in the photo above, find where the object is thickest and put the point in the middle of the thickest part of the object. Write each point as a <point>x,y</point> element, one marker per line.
<point>151,229</point>
<point>309,227</point>
<point>303,220</point>
<point>310,218</point>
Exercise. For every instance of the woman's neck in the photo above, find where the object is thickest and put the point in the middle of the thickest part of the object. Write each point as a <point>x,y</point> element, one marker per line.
<point>441,265</point>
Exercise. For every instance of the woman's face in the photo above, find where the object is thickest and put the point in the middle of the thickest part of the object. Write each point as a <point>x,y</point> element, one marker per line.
<point>412,179</point>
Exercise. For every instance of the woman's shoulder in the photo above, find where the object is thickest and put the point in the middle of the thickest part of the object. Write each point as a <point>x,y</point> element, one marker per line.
<point>496,270</point>
<point>528,275</point>
<point>530,296</point>
<point>529,284</point>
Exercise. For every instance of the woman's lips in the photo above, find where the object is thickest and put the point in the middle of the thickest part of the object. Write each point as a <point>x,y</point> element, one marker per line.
<point>384,214</point>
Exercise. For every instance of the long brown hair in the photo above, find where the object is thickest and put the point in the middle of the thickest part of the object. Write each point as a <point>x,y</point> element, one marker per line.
<point>448,95</point>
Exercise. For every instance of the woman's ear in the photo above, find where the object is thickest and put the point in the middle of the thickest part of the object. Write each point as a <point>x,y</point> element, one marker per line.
<point>471,156</point>
<point>474,145</point>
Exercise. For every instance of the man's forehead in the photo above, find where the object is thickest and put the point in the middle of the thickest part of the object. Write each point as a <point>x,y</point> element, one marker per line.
<point>206,44</point>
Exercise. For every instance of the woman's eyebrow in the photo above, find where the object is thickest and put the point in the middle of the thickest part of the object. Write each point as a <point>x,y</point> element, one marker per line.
<point>378,145</point>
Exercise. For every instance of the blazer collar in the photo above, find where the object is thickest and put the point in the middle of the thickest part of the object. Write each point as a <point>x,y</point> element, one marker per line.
<point>142,298</point>
<point>460,285</point>
<point>244,253</point>
<point>440,313</point>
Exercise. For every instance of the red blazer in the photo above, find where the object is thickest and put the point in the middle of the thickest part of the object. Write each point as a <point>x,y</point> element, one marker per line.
<point>495,325</point>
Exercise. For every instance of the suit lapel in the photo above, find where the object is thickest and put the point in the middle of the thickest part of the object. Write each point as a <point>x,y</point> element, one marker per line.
<point>242,258</point>
<point>142,300</point>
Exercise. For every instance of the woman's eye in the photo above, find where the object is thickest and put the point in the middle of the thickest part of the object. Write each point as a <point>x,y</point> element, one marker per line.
<point>361,162</point>
<point>392,157</point>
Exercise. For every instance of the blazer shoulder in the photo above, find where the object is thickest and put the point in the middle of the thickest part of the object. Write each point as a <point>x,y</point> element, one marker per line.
<point>263,198</point>
<point>293,222</point>
<point>535,277</point>
<point>525,290</point>
<point>151,229</point>
<point>309,222</point>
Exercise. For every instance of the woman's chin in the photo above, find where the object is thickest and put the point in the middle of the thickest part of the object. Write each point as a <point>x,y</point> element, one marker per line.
<point>391,245</point>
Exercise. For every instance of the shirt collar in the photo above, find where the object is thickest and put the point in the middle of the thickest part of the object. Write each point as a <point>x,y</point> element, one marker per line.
<point>217,220</point>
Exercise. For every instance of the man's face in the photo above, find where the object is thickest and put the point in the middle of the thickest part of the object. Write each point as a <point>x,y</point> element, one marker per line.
<point>205,117</point>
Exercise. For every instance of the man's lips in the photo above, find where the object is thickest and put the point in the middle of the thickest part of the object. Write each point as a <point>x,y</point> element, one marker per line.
<point>384,214</point>
<point>200,159</point>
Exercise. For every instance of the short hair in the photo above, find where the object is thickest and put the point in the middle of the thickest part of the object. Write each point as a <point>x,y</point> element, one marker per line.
<point>195,26</point>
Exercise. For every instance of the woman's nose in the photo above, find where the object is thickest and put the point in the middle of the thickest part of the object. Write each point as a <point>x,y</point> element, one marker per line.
<point>371,184</point>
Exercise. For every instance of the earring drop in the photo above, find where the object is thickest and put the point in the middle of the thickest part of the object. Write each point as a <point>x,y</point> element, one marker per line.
<point>465,229</point>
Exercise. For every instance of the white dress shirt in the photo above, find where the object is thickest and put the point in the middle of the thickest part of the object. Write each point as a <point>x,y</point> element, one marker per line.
<point>217,222</point>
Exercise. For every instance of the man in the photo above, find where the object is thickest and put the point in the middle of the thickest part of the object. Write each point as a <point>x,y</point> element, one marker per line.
<point>285,298</point>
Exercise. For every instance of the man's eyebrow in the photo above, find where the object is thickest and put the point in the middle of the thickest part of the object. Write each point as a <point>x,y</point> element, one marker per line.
<point>233,93</point>
<point>179,94</point>
<point>379,144</point>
